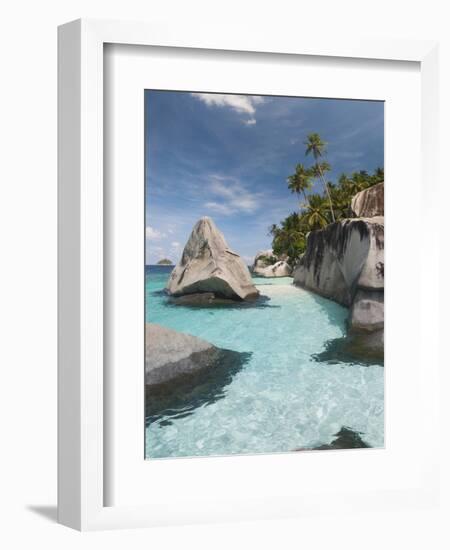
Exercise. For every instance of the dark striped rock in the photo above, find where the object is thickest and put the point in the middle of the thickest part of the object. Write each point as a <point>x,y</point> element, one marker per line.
<point>345,262</point>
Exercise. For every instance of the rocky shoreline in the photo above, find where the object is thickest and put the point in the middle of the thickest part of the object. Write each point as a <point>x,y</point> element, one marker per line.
<point>267,264</point>
<point>345,263</point>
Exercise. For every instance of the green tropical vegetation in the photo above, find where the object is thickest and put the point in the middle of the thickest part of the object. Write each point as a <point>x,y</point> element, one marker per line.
<point>318,209</point>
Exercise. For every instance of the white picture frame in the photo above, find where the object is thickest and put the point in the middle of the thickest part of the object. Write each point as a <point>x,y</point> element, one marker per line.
<point>82,394</point>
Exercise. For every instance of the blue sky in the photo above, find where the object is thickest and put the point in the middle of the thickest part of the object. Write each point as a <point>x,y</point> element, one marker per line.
<point>228,157</point>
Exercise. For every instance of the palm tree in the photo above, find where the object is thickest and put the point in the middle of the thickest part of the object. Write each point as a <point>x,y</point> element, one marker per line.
<point>379,174</point>
<point>341,201</point>
<point>316,146</point>
<point>352,185</point>
<point>300,182</point>
<point>288,239</point>
<point>316,214</point>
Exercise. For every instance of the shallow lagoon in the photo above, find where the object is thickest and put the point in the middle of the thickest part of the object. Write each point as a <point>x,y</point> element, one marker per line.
<point>282,398</point>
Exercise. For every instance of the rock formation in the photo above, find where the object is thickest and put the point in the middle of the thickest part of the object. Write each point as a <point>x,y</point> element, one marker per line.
<point>278,269</point>
<point>169,354</point>
<point>208,265</point>
<point>267,264</point>
<point>175,356</point>
<point>263,259</point>
<point>345,262</point>
<point>370,202</point>
<point>345,438</point>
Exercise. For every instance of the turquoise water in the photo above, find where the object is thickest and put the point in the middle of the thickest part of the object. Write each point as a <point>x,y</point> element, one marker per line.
<point>281,399</point>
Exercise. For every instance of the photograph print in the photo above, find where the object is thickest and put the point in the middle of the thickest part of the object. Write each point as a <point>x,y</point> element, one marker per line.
<point>264,274</point>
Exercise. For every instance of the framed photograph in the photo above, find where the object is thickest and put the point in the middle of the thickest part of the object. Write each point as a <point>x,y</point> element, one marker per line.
<point>225,351</point>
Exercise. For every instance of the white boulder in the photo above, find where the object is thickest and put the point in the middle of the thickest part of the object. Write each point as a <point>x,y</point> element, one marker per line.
<point>278,269</point>
<point>209,265</point>
<point>267,264</point>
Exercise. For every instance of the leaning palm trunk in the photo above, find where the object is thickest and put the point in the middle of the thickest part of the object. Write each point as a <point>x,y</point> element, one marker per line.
<point>328,192</point>
<point>306,199</point>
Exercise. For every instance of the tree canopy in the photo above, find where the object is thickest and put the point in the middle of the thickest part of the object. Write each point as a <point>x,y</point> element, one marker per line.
<point>318,209</point>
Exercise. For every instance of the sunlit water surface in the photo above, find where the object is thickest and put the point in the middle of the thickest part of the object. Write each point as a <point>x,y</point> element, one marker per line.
<point>281,399</point>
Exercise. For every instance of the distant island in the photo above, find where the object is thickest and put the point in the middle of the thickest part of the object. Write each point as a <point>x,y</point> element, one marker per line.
<point>164,261</point>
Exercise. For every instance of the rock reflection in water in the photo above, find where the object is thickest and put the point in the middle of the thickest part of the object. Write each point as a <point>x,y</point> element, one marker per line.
<point>179,398</point>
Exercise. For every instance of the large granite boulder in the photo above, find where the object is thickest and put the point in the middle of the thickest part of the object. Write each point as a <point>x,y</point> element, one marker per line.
<point>263,259</point>
<point>170,354</point>
<point>183,372</point>
<point>278,269</point>
<point>370,202</point>
<point>209,265</point>
<point>267,264</point>
<point>345,262</point>
<point>367,312</point>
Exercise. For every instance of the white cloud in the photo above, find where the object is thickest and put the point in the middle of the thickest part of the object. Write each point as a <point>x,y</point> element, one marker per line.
<point>153,234</point>
<point>221,186</point>
<point>234,197</point>
<point>220,208</point>
<point>242,104</point>
<point>176,244</point>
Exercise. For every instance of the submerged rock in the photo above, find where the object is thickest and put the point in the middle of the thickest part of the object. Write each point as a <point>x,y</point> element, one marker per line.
<point>370,202</point>
<point>356,347</point>
<point>346,438</point>
<point>208,265</point>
